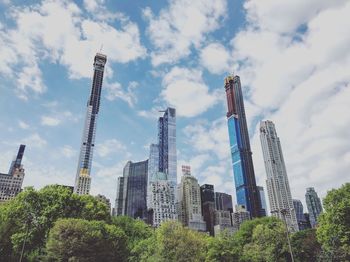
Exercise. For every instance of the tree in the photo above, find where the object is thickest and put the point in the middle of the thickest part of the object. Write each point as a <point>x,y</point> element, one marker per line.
<point>82,240</point>
<point>305,246</point>
<point>333,230</point>
<point>223,248</point>
<point>32,213</point>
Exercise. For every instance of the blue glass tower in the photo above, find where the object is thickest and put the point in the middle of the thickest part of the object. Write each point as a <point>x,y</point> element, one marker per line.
<point>247,193</point>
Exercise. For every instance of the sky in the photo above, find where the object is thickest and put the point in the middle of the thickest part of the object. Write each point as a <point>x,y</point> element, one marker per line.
<point>292,56</point>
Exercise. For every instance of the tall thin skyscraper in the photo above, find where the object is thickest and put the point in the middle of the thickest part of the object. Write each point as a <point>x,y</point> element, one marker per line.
<point>83,179</point>
<point>153,168</point>
<point>247,193</point>
<point>262,199</point>
<point>313,204</point>
<point>11,183</point>
<point>167,144</point>
<point>208,206</point>
<point>299,211</point>
<point>280,197</point>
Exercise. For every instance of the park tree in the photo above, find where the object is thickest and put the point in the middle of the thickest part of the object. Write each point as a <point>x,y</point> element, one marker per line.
<point>86,241</point>
<point>29,217</point>
<point>305,246</point>
<point>223,248</point>
<point>333,230</point>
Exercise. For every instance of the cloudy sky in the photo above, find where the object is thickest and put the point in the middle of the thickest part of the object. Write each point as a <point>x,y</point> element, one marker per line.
<point>293,58</point>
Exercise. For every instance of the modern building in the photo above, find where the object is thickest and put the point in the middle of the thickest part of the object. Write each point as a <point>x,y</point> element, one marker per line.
<point>120,207</point>
<point>313,204</point>
<point>153,167</point>
<point>278,190</point>
<point>247,193</point>
<point>263,200</point>
<point>307,221</point>
<point>299,212</point>
<point>188,204</point>
<point>239,216</point>
<point>208,206</point>
<point>167,144</point>
<point>223,201</point>
<point>163,199</point>
<point>11,183</point>
<point>83,178</point>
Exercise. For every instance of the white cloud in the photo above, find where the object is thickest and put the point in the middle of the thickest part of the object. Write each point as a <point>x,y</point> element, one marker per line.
<point>23,125</point>
<point>110,146</point>
<point>115,91</point>
<point>181,26</point>
<point>216,58</point>
<point>50,121</point>
<point>300,80</point>
<point>58,31</point>
<point>34,141</point>
<point>186,91</point>
<point>68,151</point>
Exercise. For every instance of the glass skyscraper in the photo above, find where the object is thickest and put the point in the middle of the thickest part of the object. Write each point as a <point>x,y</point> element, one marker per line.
<point>83,179</point>
<point>278,190</point>
<point>262,199</point>
<point>208,206</point>
<point>313,204</point>
<point>167,144</point>
<point>247,193</point>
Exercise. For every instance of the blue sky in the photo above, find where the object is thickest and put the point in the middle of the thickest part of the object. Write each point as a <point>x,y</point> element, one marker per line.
<point>293,60</point>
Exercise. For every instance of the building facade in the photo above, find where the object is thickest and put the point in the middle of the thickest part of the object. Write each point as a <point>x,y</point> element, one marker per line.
<point>162,204</point>
<point>208,206</point>
<point>263,200</point>
<point>167,144</point>
<point>299,212</point>
<point>223,222</point>
<point>189,206</point>
<point>280,197</point>
<point>153,167</point>
<point>11,183</point>
<point>83,178</point>
<point>313,204</point>
<point>239,216</point>
<point>247,193</point>
<point>223,202</point>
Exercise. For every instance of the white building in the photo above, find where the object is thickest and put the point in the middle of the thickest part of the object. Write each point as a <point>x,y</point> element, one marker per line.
<point>239,216</point>
<point>162,199</point>
<point>280,197</point>
<point>189,201</point>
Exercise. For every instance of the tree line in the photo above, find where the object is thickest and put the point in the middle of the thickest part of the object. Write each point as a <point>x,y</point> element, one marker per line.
<point>54,224</point>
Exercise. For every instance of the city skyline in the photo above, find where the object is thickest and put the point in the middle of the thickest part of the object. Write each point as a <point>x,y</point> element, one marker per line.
<point>46,79</point>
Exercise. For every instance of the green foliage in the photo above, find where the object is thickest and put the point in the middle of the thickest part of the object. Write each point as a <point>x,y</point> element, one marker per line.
<point>36,211</point>
<point>305,246</point>
<point>333,231</point>
<point>223,248</point>
<point>82,240</point>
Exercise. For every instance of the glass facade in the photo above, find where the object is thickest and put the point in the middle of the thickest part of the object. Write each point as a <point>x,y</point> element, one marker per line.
<point>167,144</point>
<point>263,200</point>
<point>313,204</point>
<point>223,202</point>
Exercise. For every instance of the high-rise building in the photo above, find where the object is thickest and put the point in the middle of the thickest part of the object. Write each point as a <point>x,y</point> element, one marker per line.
<point>83,178</point>
<point>280,197</point>
<point>167,144</point>
<point>11,183</point>
<point>162,202</point>
<point>208,206</point>
<point>263,200</point>
<point>299,211</point>
<point>247,193</point>
<point>223,202</point>
<point>153,168</point>
<point>313,204</point>
<point>120,208</point>
<point>239,216</point>
<point>189,207</point>
<point>223,222</point>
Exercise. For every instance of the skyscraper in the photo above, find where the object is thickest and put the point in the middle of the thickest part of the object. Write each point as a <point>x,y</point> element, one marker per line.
<point>153,168</point>
<point>299,211</point>
<point>208,206</point>
<point>132,190</point>
<point>83,179</point>
<point>263,200</point>
<point>223,202</point>
<point>11,183</point>
<point>247,193</point>
<point>167,144</point>
<point>239,216</point>
<point>189,201</point>
<point>313,204</point>
<point>280,197</point>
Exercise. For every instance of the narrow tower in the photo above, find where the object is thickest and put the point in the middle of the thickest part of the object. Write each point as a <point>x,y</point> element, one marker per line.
<point>278,190</point>
<point>83,179</point>
<point>247,193</point>
<point>313,204</point>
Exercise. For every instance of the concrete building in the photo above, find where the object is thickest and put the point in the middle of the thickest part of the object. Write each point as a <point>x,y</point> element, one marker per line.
<point>239,216</point>
<point>189,206</point>
<point>280,197</point>
<point>223,201</point>
<point>11,183</point>
<point>83,178</point>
